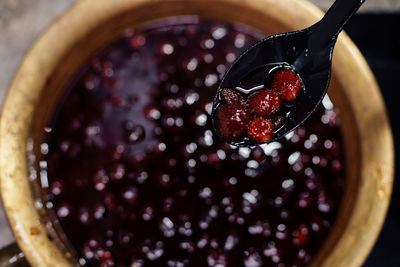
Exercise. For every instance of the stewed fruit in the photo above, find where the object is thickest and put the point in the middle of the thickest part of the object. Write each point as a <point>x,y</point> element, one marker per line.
<point>263,107</point>
<point>233,120</point>
<point>260,129</point>
<point>287,83</point>
<point>137,177</point>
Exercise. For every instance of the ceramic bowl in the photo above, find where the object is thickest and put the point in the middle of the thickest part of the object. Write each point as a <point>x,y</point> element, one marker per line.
<point>90,24</point>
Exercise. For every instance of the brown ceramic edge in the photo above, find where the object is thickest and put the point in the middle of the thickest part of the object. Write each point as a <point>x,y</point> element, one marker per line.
<point>378,165</point>
<point>32,237</point>
<point>26,243</point>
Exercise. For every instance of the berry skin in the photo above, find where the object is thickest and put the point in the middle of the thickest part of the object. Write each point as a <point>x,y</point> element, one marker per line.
<point>233,120</point>
<point>261,130</point>
<point>265,102</point>
<point>287,84</point>
<point>230,96</point>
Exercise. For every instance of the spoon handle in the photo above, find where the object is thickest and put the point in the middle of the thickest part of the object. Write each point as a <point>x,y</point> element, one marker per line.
<point>326,31</point>
<point>332,23</point>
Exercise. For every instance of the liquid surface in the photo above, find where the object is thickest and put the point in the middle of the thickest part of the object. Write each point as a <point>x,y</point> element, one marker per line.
<point>138,178</point>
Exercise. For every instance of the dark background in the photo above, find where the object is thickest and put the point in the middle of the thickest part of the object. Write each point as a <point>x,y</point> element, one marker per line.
<point>378,38</point>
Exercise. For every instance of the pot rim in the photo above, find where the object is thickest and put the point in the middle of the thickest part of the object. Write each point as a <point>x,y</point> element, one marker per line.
<point>377,156</point>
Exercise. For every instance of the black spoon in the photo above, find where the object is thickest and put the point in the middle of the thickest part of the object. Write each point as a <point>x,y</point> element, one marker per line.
<point>308,52</point>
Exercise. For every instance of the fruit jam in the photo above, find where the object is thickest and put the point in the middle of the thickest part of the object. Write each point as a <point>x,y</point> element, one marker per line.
<point>136,176</point>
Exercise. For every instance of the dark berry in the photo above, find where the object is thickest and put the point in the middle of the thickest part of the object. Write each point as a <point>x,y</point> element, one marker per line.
<point>63,210</point>
<point>130,195</point>
<point>230,96</point>
<point>100,180</point>
<point>56,188</point>
<point>260,130</point>
<point>135,134</point>
<point>91,82</point>
<point>233,120</point>
<point>300,235</point>
<point>151,112</point>
<point>138,41</point>
<point>265,102</point>
<point>287,84</point>
<point>116,100</point>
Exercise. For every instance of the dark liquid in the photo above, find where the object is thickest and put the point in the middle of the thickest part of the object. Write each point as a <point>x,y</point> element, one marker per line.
<point>138,177</point>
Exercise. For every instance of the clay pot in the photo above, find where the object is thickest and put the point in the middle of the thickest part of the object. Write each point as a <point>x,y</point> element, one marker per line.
<point>90,24</point>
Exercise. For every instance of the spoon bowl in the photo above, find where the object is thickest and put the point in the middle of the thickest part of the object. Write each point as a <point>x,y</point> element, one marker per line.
<point>248,73</point>
<point>308,52</point>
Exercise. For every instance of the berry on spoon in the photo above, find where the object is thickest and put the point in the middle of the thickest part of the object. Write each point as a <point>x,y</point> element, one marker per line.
<point>230,96</point>
<point>261,130</point>
<point>233,120</point>
<point>265,102</point>
<point>287,83</point>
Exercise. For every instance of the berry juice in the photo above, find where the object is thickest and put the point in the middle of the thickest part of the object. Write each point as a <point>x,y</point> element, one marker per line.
<point>137,176</point>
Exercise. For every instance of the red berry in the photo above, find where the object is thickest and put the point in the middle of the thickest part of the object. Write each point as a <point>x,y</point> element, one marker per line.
<point>300,235</point>
<point>116,100</point>
<point>230,96</point>
<point>233,120</point>
<point>261,130</point>
<point>287,84</point>
<point>265,102</point>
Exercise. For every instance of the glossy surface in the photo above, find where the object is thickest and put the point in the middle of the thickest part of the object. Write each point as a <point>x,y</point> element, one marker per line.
<point>137,176</point>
